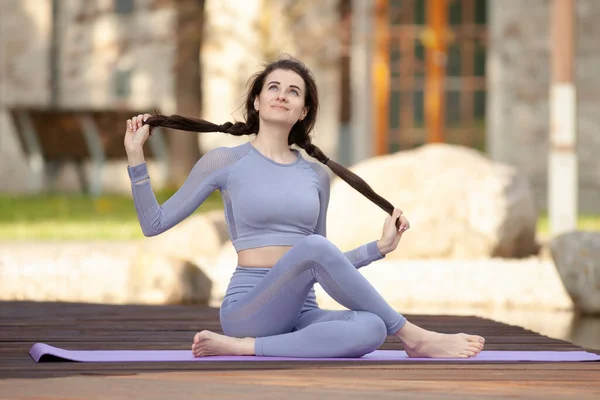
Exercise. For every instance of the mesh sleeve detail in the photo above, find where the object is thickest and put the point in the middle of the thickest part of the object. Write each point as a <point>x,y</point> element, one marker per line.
<point>209,174</point>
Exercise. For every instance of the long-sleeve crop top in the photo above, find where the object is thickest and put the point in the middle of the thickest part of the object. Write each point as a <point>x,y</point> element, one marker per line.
<point>266,203</point>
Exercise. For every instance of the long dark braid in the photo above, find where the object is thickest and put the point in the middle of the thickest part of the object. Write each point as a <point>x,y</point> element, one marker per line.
<point>299,134</point>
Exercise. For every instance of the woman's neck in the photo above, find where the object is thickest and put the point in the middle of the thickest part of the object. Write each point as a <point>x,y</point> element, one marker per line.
<point>272,143</point>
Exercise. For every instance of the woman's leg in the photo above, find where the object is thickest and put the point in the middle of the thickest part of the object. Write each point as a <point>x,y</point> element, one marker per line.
<point>273,306</point>
<point>317,333</point>
<point>325,333</point>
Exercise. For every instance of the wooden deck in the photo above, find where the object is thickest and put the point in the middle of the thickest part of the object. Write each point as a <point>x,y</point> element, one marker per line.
<point>88,326</point>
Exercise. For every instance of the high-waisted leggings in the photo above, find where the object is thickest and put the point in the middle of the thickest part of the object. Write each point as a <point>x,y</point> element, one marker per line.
<point>278,307</point>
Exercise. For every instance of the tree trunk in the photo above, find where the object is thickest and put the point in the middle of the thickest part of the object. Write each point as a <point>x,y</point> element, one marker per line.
<point>184,149</point>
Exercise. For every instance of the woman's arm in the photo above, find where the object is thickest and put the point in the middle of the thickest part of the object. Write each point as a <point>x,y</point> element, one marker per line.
<point>206,176</point>
<point>362,255</point>
<point>209,174</point>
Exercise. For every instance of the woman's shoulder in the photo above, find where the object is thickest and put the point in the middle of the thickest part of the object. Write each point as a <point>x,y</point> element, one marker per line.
<point>320,171</point>
<point>224,156</point>
<point>228,152</point>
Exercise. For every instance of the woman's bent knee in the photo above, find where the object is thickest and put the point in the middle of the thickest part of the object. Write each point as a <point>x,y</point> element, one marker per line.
<point>373,331</point>
<point>315,243</point>
<point>320,248</point>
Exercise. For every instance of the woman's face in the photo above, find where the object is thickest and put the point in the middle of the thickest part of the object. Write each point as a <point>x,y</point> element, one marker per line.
<point>281,99</point>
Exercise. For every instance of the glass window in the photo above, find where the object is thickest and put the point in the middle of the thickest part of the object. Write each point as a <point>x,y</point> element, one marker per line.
<point>419,107</point>
<point>124,6</point>
<point>395,104</point>
<point>479,59</point>
<point>419,12</point>
<point>481,11</point>
<point>122,82</point>
<point>453,65</point>
<point>479,105</point>
<point>455,12</point>
<point>453,108</point>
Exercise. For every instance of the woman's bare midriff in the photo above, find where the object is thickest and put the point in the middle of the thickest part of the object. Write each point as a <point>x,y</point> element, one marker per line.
<point>262,257</point>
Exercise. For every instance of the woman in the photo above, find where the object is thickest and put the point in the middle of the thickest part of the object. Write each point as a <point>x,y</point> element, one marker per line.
<point>276,206</point>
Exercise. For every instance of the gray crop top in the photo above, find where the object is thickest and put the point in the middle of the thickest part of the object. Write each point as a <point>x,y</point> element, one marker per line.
<point>266,203</point>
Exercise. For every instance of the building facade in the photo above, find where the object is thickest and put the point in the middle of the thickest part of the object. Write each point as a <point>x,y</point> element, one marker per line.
<point>372,69</point>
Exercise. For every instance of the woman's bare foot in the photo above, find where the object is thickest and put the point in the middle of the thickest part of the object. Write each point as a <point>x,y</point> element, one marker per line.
<point>207,343</point>
<point>419,342</point>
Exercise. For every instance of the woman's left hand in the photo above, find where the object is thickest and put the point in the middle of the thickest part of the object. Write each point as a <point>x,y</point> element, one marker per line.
<point>391,235</point>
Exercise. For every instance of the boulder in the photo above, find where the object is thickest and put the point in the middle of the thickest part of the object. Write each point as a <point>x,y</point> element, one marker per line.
<point>98,272</point>
<point>197,239</point>
<point>94,272</point>
<point>459,204</point>
<point>577,258</point>
<point>449,286</point>
<point>160,279</point>
<point>185,262</point>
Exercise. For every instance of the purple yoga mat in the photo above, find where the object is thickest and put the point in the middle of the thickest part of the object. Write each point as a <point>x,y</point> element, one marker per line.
<point>42,352</point>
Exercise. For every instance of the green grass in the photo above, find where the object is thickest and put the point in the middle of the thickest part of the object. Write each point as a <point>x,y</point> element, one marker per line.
<point>585,222</point>
<point>111,217</point>
<point>72,217</point>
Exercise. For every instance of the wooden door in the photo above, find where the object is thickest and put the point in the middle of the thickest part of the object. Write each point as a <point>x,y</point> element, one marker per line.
<point>420,44</point>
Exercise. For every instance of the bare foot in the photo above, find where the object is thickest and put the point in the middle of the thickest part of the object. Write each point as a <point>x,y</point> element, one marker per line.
<point>422,343</point>
<point>207,343</point>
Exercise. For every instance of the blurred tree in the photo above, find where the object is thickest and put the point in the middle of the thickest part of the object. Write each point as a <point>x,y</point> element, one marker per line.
<point>184,149</point>
<point>302,27</point>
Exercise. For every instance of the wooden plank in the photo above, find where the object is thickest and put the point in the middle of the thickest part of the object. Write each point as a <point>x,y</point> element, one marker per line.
<point>93,326</point>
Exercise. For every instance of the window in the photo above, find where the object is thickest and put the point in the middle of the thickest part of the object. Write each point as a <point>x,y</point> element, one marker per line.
<point>122,82</point>
<point>465,82</point>
<point>124,6</point>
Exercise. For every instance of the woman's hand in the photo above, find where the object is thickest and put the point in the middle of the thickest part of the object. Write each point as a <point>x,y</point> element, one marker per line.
<point>391,235</point>
<point>136,133</point>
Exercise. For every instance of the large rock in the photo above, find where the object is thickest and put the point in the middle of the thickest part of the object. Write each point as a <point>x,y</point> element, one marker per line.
<point>117,273</point>
<point>438,286</point>
<point>198,239</point>
<point>74,272</point>
<point>179,265</point>
<point>159,279</point>
<point>577,258</point>
<point>459,204</point>
<point>98,272</point>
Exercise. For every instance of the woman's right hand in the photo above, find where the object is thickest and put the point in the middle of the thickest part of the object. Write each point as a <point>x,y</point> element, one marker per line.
<point>136,133</point>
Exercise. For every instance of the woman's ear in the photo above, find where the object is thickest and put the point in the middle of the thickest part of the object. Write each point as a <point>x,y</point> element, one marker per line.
<point>256,103</point>
<point>304,113</point>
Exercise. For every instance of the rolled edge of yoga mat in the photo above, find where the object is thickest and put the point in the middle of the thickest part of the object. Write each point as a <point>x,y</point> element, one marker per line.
<point>42,352</point>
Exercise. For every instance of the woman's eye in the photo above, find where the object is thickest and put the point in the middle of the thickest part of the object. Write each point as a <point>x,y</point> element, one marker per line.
<point>272,87</point>
<point>294,92</point>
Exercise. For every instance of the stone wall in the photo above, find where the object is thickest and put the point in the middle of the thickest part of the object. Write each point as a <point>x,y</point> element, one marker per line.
<point>24,77</point>
<point>98,47</point>
<point>519,75</point>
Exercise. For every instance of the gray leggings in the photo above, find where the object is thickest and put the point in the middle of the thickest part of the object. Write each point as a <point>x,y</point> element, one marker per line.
<point>278,307</point>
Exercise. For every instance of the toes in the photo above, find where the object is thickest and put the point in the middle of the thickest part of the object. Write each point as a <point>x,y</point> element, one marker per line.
<point>197,338</point>
<point>477,346</point>
<point>469,353</point>
<point>476,339</point>
<point>474,349</point>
